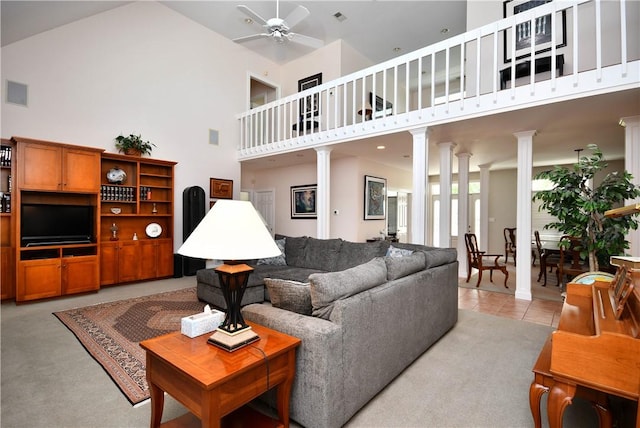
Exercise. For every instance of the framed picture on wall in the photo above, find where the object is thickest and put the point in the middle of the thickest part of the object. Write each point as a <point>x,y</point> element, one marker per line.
<point>220,188</point>
<point>524,33</point>
<point>310,106</point>
<point>375,198</point>
<point>303,201</point>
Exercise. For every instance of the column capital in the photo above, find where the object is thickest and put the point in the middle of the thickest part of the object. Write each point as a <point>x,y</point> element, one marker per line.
<point>419,131</point>
<point>446,144</point>
<point>323,149</point>
<point>464,154</point>
<point>525,134</point>
<point>629,121</point>
<point>485,166</point>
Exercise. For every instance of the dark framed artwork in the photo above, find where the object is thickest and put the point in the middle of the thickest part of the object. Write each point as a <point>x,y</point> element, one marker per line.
<point>542,30</point>
<point>303,201</point>
<point>375,197</point>
<point>220,188</point>
<point>310,105</point>
<point>380,108</point>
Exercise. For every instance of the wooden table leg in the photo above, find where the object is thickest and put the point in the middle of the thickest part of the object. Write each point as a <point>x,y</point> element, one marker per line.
<point>284,390</point>
<point>535,395</point>
<point>560,396</point>
<point>157,404</point>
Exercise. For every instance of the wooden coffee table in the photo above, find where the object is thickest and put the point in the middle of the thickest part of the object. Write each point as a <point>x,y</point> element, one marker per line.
<point>212,383</point>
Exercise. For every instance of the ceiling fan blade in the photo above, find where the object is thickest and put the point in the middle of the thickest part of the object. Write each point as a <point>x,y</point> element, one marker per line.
<point>252,37</point>
<point>257,18</point>
<point>306,40</point>
<point>296,16</point>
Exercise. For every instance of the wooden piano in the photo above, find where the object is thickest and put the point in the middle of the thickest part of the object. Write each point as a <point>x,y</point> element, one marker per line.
<point>596,349</point>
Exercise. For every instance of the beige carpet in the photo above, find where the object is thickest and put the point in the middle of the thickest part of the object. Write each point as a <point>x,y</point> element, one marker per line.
<point>550,292</point>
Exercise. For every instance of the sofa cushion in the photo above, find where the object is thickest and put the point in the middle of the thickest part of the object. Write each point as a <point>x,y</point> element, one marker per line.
<point>356,253</point>
<point>322,254</point>
<point>326,288</point>
<point>294,250</point>
<point>289,295</point>
<point>440,256</point>
<point>397,267</point>
<point>277,260</point>
<point>398,252</point>
<point>291,273</point>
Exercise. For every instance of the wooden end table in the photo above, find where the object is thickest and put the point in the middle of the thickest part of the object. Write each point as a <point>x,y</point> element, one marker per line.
<point>212,383</point>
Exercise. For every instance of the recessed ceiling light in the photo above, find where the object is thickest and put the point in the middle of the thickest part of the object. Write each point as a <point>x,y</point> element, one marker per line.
<point>444,30</point>
<point>248,21</point>
<point>381,147</point>
<point>397,49</point>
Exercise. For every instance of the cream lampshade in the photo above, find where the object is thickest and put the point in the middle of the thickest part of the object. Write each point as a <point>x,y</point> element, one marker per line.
<point>231,231</point>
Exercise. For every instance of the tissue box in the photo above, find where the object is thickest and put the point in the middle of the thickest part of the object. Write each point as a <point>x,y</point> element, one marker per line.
<point>204,322</point>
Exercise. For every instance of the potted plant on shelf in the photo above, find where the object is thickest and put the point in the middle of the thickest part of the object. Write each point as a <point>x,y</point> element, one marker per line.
<point>133,145</point>
<point>579,208</point>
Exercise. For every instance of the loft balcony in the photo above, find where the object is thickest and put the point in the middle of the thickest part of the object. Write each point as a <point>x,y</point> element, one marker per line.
<point>551,53</point>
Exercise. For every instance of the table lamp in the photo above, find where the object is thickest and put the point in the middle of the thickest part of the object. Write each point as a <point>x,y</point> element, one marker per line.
<point>232,231</point>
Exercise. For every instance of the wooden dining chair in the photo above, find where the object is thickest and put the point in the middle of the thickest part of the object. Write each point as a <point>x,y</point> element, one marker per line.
<point>482,261</point>
<point>509,243</point>
<point>570,263</point>
<point>548,259</point>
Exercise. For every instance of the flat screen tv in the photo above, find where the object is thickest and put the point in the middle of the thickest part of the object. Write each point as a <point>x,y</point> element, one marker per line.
<point>48,224</point>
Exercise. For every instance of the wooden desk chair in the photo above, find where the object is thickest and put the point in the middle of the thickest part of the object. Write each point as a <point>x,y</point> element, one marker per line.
<point>480,260</point>
<point>570,264</point>
<point>509,243</point>
<point>547,259</point>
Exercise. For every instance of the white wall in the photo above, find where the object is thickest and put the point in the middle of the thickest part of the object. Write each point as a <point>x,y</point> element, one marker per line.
<point>140,68</point>
<point>346,195</point>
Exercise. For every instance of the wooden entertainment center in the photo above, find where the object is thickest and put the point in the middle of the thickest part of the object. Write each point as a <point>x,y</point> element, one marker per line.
<point>131,222</point>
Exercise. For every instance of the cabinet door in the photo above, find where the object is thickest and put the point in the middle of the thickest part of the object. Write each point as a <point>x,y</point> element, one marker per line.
<point>148,259</point>
<point>40,167</point>
<point>165,258</point>
<point>128,261</point>
<point>38,279</point>
<point>81,171</point>
<point>7,273</point>
<point>109,263</point>
<point>80,274</point>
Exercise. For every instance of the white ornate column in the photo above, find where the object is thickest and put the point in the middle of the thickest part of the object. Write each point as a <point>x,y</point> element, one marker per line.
<point>485,188</point>
<point>523,214</point>
<point>463,210</point>
<point>446,167</point>
<point>420,181</point>
<point>632,166</point>
<point>323,193</point>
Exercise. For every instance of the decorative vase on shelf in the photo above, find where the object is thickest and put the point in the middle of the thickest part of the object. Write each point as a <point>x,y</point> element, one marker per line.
<point>116,175</point>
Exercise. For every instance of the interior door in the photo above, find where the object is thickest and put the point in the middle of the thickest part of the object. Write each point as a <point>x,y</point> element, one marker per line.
<point>263,200</point>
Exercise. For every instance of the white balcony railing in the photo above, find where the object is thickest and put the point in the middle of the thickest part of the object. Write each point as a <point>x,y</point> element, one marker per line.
<point>591,47</point>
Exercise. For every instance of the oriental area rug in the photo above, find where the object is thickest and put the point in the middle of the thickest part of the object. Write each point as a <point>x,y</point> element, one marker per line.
<point>111,333</point>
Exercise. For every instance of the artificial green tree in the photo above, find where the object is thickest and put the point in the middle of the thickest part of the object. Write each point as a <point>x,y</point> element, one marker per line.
<point>579,208</point>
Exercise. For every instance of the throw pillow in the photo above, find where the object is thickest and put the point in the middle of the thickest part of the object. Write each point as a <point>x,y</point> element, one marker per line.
<point>398,252</point>
<point>277,260</point>
<point>289,295</point>
<point>326,288</point>
<point>397,267</point>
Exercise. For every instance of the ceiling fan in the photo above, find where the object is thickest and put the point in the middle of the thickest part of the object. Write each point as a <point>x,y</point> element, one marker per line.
<point>279,29</point>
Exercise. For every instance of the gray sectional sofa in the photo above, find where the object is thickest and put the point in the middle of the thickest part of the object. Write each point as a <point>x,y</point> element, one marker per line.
<point>364,312</point>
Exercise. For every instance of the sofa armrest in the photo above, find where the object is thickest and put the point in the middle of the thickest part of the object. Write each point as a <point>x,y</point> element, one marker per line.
<point>319,374</point>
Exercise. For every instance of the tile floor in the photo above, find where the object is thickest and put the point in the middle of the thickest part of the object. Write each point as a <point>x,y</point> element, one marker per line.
<point>504,305</point>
